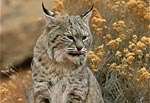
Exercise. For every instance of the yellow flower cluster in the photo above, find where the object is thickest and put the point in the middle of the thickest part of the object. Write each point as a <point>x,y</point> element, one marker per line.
<point>114,66</point>
<point>130,58</point>
<point>139,47</point>
<point>119,26</point>
<point>95,60</point>
<point>96,57</point>
<point>122,36</point>
<point>118,68</point>
<point>118,54</point>
<point>108,37</point>
<point>114,43</point>
<point>134,38</point>
<point>94,2</point>
<point>144,75</point>
<point>131,4</point>
<point>147,15</point>
<point>123,70</point>
<point>146,40</point>
<point>100,51</point>
<point>117,5</point>
<point>97,22</point>
<point>139,7</point>
<point>59,7</point>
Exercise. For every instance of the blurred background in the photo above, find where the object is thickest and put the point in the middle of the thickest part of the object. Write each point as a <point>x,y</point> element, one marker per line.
<point>21,23</point>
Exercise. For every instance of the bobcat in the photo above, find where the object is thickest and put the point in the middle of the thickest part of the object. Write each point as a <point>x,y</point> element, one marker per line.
<point>59,70</point>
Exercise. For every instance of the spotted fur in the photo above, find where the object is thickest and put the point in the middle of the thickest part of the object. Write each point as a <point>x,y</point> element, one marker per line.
<point>59,70</point>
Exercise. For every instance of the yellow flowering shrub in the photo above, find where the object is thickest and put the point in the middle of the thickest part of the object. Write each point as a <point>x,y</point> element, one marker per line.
<point>58,9</point>
<point>118,26</point>
<point>98,23</point>
<point>144,75</point>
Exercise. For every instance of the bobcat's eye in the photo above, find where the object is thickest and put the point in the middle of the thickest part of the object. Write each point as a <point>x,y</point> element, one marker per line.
<point>70,37</point>
<point>84,37</point>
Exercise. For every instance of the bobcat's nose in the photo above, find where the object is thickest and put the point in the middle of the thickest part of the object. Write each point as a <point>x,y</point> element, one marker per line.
<point>79,48</point>
<point>79,45</point>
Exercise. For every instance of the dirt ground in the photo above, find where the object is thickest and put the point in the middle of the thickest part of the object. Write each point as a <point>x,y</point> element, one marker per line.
<point>13,89</point>
<point>21,24</point>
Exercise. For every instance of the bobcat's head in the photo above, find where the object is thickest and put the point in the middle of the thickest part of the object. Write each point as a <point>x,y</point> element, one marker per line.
<point>68,37</point>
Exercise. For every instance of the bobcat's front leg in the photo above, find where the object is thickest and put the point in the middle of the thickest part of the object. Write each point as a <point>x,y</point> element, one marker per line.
<point>41,93</point>
<point>74,98</point>
<point>77,90</point>
<point>38,96</point>
<point>42,97</point>
<point>78,94</point>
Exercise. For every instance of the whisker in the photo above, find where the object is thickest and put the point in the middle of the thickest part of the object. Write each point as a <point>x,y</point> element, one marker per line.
<point>84,49</point>
<point>70,49</point>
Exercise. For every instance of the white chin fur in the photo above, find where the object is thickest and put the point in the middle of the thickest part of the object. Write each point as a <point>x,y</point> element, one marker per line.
<point>76,59</point>
<point>62,56</point>
<point>59,55</point>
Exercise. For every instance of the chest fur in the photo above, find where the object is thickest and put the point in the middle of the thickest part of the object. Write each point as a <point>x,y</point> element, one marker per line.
<point>68,86</point>
<point>63,82</point>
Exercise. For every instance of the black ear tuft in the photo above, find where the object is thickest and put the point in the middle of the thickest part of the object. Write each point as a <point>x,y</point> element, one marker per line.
<point>83,15</point>
<point>46,12</point>
<point>87,16</point>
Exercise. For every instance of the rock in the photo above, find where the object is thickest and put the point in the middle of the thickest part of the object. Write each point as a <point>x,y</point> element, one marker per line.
<point>17,45</point>
<point>22,22</point>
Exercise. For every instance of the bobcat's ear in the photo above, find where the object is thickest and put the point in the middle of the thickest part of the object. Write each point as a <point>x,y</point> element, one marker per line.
<point>87,16</point>
<point>49,15</point>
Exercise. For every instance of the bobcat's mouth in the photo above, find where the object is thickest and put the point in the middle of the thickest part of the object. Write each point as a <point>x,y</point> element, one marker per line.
<point>78,53</point>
